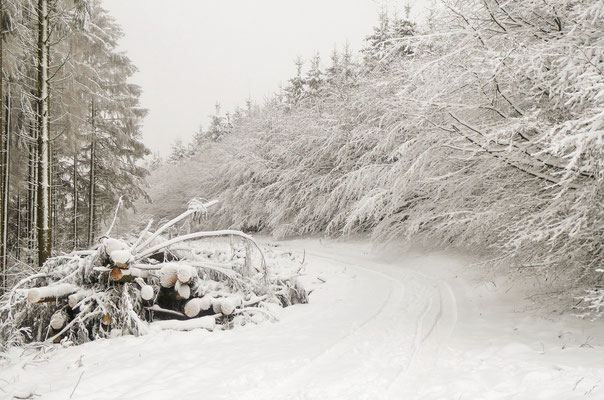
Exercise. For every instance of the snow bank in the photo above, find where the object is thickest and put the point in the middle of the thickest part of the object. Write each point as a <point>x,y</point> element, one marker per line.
<point>207,322</point>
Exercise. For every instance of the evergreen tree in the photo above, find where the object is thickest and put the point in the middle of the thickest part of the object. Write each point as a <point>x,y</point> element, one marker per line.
<point>314,78</point>
<point>155,161</point>
<point>378,43</point>
<point>219,125</point>
<point>399,30</point>
<point>333,71</point>
<point>294,92</point>
<point>178,151</point>
<point>52,151</point>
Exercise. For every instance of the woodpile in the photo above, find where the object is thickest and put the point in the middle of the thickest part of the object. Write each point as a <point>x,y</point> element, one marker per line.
<point>202,280</point>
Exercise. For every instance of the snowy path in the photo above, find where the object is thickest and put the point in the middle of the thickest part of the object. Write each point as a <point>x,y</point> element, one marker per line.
<point>379,328</point>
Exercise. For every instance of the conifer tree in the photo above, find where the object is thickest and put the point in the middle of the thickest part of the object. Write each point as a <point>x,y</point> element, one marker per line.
<point>378,43</point>
<point>314,78</point>
<point>294,92</point>
<point>51,140</point>
<point>44,222</point>
<point>219,125</point>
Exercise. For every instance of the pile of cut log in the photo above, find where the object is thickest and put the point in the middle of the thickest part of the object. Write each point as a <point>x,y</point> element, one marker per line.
<point>210,280</point>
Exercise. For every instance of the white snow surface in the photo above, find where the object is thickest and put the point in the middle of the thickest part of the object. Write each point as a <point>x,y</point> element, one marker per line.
<point>120,256</point>
<point>378,326</point>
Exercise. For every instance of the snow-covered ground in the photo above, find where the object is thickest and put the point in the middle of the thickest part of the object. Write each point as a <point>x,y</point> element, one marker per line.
<point>378,326</point>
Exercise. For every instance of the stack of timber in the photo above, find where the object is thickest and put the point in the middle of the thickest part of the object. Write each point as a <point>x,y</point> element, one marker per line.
<point>209,280</point>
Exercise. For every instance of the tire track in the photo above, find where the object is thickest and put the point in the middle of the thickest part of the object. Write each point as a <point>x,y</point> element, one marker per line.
<point>374,353</point>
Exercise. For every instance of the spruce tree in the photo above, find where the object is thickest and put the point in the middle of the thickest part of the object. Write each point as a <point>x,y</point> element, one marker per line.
<point>314,78</point>
<point>294,92</point>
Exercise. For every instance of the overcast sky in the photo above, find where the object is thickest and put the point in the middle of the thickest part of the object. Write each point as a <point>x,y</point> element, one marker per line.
<point>193,53</point>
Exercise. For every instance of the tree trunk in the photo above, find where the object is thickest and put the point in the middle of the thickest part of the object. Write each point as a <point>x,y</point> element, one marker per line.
<point>2,247</point>
<point>91,194</point>
<point>19,223</point>
<point>5,189</point>
<point>44,222</point>
<point>32,185</point>
<point>75,199</point>
<point>54,209</point>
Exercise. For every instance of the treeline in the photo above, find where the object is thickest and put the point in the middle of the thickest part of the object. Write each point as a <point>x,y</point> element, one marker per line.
<point>484,131</point>
<point>70,128</point>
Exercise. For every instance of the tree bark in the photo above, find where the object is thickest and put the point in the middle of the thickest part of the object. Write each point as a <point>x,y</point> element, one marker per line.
<point>19,223</point>
<point>53,194</point>
<point>75,199</point>
<point>44,222</point>
<point>92,178</point>
<point>32,184</point>
<point>5,189</point>
<point>2,247</point>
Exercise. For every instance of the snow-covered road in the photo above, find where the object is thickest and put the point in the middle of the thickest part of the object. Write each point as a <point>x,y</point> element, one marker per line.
<point>390,326</point>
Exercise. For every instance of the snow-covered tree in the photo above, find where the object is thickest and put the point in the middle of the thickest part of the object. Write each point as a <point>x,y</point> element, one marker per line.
<point>54,178</point>
<point>178,151</point>
<point>485,133</point>
<point>314,78</point>
<point>378,43</point>
<point>294,92</point>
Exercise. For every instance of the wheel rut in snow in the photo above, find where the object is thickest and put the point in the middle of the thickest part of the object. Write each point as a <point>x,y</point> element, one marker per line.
<point>377,352</point>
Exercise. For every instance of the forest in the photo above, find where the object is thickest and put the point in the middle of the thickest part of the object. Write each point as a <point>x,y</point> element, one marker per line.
<point>421,218</point>
<point>481,131</point>
<point>71,130</point>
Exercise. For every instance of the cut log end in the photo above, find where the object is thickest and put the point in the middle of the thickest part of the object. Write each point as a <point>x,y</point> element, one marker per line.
<point>193,308</point>
<point>227,306</point>
<point>183,290</point>
<point>116,274</point>
<point>50,293</point>
<point>58,320</point>
<point>216,306</point>
<point>34,296</point>
<point>168,275</point>
<point>147,293</point>
<point>205,303</point>
<point>78,296</point>
<point>186,273</point>
<point>105,320</point>
<point>121,275</point>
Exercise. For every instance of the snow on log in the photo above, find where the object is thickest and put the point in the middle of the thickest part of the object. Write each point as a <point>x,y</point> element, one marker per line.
<point>147,292</point>
<point>203,278</point>
<point>186,273</point>
<point>58,320</point>
<point>205,303</point>
<point>168,275</point>
<point>229,304</point>
<point>49,293</point>
<point>208,322</point>
<point>118,275</point>
<point>78,296</point>
<point>193,307</point>
<point>127,275</point>
<point>216,306</point>
<point>209,286</point>
<point>227,307</point>
<point>183,290</point>
<point>121,258</point>
<point>159,309</point>
<point>112,245</point>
